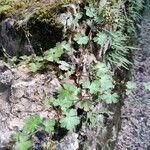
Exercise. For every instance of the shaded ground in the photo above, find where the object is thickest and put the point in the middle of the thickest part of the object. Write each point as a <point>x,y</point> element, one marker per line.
<point>135,126</point>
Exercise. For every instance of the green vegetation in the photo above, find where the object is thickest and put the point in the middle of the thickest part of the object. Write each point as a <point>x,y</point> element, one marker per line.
<point>5,5</point>
<point>130,87</point>
<point>31,124</point>
<point>95,44</point>
<point>147,86</point>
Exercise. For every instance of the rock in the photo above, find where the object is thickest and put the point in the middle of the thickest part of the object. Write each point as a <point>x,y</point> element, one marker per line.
<point>22,95</point>
<point>29,27</point>
<point>135,127</point>
<point>69,142</point>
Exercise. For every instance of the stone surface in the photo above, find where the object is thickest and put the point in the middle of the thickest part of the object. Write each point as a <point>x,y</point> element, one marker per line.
<point>69,142</point>
<point>135,126</point>
<point>22,95</point>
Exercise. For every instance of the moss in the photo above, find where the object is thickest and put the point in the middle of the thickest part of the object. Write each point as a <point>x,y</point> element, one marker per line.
<point>45,28</point>
<point>47,15</point>
<point>39,20</point>
<point>13,8</point>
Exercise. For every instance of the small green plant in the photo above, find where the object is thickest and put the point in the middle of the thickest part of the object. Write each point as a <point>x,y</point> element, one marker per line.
<point>23,143</point>
<point>100,38</point>
<point>70,119</point>
<point>12,60</point>
<point>147,86</point>
<point>80,39</point>
<point>36,63</point>
<point>130,87</point>
<point>133,15</point>
<point>49,125</point>
<point>31,124</point>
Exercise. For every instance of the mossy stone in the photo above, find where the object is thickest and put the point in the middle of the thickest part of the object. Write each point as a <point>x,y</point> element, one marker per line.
<point>45,28</point>
<point>37,19</point>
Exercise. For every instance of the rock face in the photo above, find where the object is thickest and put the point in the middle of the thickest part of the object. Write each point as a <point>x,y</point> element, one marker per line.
<point>21,96</point>
<point>135,126</point>
<point>69,142</point>
<point>28,27</point>
<point>6,79</point>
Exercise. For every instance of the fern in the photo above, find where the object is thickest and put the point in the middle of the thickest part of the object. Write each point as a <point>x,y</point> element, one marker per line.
<point>118,52</point>
<point>134,16</point>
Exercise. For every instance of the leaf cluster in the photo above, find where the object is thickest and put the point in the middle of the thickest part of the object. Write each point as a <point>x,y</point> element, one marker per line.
<point>31,124</point>
<point>36,63</point>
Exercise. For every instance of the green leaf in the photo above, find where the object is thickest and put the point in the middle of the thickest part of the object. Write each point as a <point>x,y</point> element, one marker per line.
<point>70,120</point>
<point>90,11</point>
<point>23,144</point>
<point>85,83</point>
<point>48,55</point>
<point>94,87</point>
<point>48,100</point>
<point>102,4</point>
<point>64,103</point>
<point>38,58</point>
<point>78,16</point>
<point>95,118</point>
<point>92,118</point>
<point>101,69</point>
<point>106,83</point>
<point>55,53</point>
<point>105,111</point>
<point>31,123</point>
<point>85,105</point>
<point>66,96</point>
<point>100,38</point>
<point>80,39</point>
<point>131,85</point>
<point>15,136</point>
<point>12,60</point>
<point>65,45</point>
<point>71,88</point>
<point>35,66</point>
<point>147,86</point>
<point>26,58</point>
<point>110,98</point>
<point>49,125</point>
